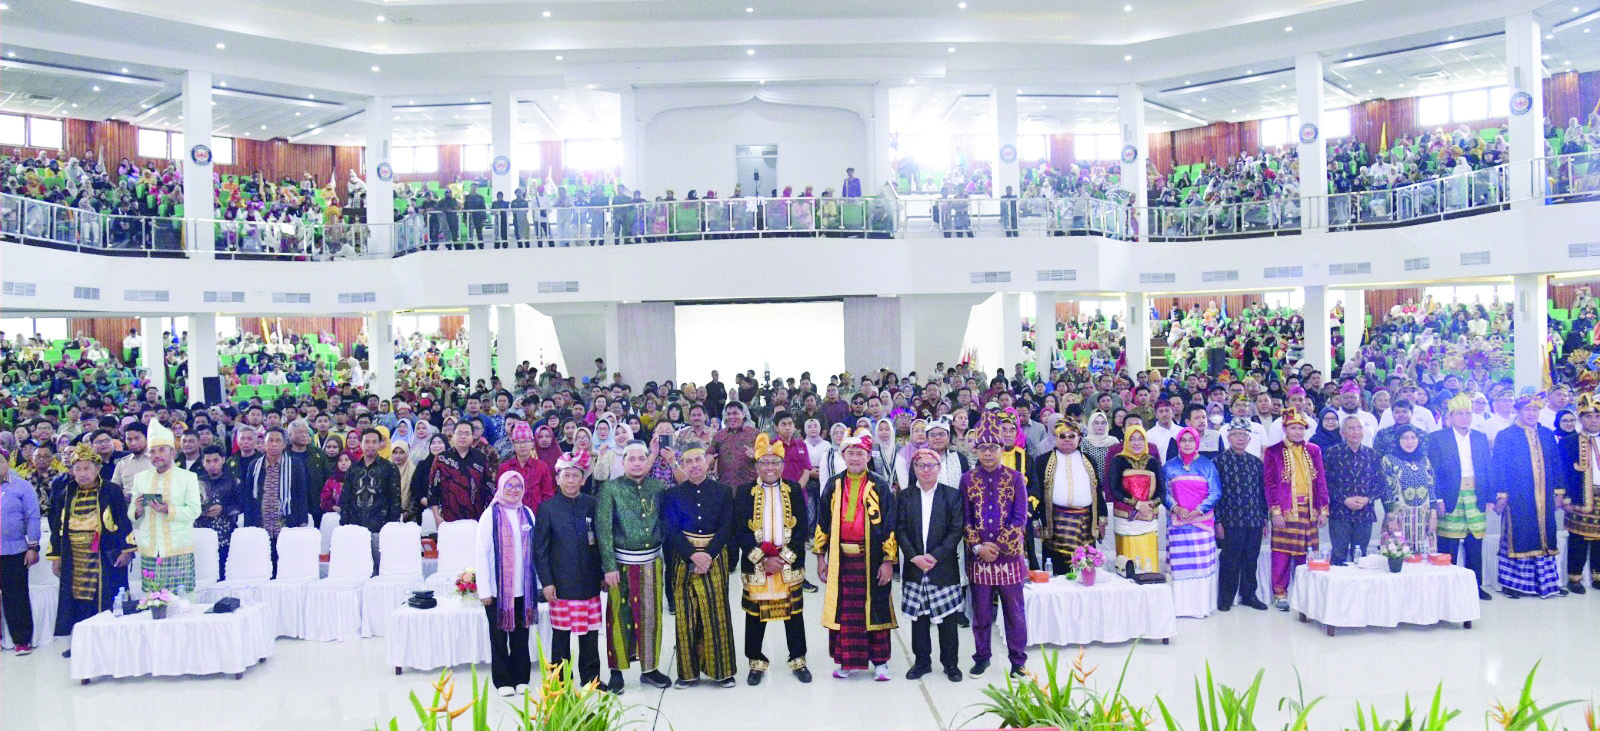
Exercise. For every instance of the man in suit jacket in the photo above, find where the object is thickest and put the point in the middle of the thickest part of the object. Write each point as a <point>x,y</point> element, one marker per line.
<point>278,488</point>
<point>929,529</point>
<point>1460,459</point>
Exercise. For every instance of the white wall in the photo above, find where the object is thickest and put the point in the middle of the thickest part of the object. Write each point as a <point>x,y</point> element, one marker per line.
<point>984,335</point>
<point>688,149</point>
<point>786,338</point>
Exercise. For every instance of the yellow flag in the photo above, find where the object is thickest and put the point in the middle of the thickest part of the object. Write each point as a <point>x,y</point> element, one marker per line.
<point>1383,138</point>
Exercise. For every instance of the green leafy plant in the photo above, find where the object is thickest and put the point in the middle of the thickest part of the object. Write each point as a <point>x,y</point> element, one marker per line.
<point>559,703</point>
<point>1219,707</point>
<point>1526,713</point>
<point>1063,700</point>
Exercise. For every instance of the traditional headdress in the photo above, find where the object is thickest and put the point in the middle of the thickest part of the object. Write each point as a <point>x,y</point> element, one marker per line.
<point>579,462</point>
<point>84,453</point>
<point>1240,425</point>
<point>861,438</point>
<point>158,435</point>
<point>1462,402</point>
<point>1349,387</point>
<point>1536,400</point>
<point>1065,425</point>
<point>988,429</point>
<point>1586,403</point>
<point>1295,416</point>
<point>767,447</point>
<point>521,432</point>
<point>942,422</point>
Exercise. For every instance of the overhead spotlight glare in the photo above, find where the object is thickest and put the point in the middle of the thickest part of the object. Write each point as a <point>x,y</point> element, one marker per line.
<point>546,13</point>
<point>1288,29</point>
<point>749,10</point>
<point>1379,71</point>
<point>911,81</point>
<point>96,88</point>
<point>11,54</point>
<point>222,46</point>
<point>375,69</point>
<point>1202,98</point>
<point>963,6</point>
<point>381,19</point>
<point>124,69</point>
<point>1127,58</point>
<point>558,58</point>
<point>1449,38</point>
<point>1349,54</point>
<point>749,51</point>
<point>1127,8</point>
<point>263,126</point>
<point>311,96</point>
<point>762,82</point>
<point>296,114</point>
<point>223,84</point>
<point>74,105</point>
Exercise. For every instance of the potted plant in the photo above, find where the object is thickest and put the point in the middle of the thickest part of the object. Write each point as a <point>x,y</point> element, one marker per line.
<point>1086,559</point>
<point>157,602</point>
<point>467,585</point>
<point>1395,548</point>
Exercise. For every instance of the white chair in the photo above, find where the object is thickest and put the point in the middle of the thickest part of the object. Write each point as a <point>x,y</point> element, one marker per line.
<point>297,568</point>
<point>205,558</point>
<point>333,605</point>
<point>249,567</point>
<point>399,571</point>
<point>330,523</point>
<point>458,540</point>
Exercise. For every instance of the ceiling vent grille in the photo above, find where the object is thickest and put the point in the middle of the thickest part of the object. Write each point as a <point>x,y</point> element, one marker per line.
<point>487,288</point>
<point>1284,272</point>
<point>146,295</point>
<point>1058,275</point>
<point>86,293</point>
<point>210,296</point>
<point>1157,277</point>
<point>991,277</point>
<point>21,289</point>
<point>1363,267</point>
<point>291,298</point>
<point>557,287</point>
<point>356,298</point>
<point>1221,275</point>
<point>1418,264</point>
<point>1474,258</point>
<point>1579,251</point>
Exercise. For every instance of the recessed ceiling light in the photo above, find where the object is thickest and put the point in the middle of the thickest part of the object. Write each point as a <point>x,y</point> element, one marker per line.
<point>1127,8</point>
<point>221,46</point>
<point>1349,54</point>
<point>1249,71</point>
<point>263,126</point>
<point>1288,29</point>
<point>1546,57</point>
<point>911,81</point>
<point>1233,111</point>
<point>411,101</point>
<point>749,51</point>
<point>96,88</point>
<point>1549,36</point>
<point>311,96</point>
<point>951,49</point>
<point>11,54</point>
<point>223,84</point>
<point>763,82</point>
<point>296,114</point>
<point>1577,9</point>
<point>1449,38</point>
<point>74,105</point>
<point>1379,71</point>
<point>311,126</point>
<point>1127,58</point>
<point>1569,63</point>
<point>381,19</point>
<point>4,6</point>
<point>213,104</point>
<point>546,13</point>
<point>1187,82</point>
<point>963,6</point>
<point>556,97</point>
<point>375,69</point>
<point>558,58</point>
<point>144,106</point>
<point>749,10</point>
<point>124,69</point>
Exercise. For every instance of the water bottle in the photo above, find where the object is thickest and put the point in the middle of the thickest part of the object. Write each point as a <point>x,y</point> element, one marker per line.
<point>116,604</point>
<point>1049,567</point>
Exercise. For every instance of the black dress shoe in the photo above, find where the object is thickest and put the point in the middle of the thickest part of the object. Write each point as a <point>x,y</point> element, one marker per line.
<point>954,674</point>
<point>66,653</point>
<point>755,676</point>
<point>655,679</point>
<point>1562,592</point>
<point>962,621</point>
<point>917,671</point>
<point>809,587</point>
<point>616,684</point>
<point>801,672</point>
<point>1019,672</point>
<point>1484,595</point>
<point>1254,603</point>
<point>1511,594</point>
<point>979,668</point>
<point>1224,606</point>
<point>1576,587</point>
<point>686,683</point>
<point>727,683</point>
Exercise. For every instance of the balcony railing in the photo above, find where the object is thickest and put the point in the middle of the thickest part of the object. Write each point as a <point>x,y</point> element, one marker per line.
<point>1553,180</point>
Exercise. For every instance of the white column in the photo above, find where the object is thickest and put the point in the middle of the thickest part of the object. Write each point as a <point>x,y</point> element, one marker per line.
<point>908,335</point>
<point>503,133</point>
<point>632,139</point>
<point>202,353</point>
<point>1130,101</point>
<point>380,194</point>
<point>1313,154</point>
<point>1529,328</point>
<point>478,350</point>
<point>1044,332</point>
<point>1136,321</point>
<point>1004,99</point>
<point>506,332</point>
<point>881,131</point>
<point>1011,332</point>
<point>198,191</point>
<point>152,352</point>
<point>1316,316</point>
<point>380,354</point>
<point>613,327</point>
<point>1525,73</point>
<point>1355,322</point>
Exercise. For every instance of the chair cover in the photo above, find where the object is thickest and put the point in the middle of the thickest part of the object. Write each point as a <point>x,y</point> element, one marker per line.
<point>333,605</point>
<point>297,568</point>
<point>399,571</point>
<point>458,541</point>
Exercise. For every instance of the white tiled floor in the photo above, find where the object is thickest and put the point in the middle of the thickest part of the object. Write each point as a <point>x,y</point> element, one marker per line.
<point>349,686</point>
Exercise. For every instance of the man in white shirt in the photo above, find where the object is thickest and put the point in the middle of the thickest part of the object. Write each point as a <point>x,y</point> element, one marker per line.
<point>1161,434</point>
<point>1071,503</point>
<point>1501,415</point>
<point>1297,401</point>
<point>135,461</point>
<point>1558,399</point>
<point>130,347</point>
<point>952,465</point>
<point>1350,405</point>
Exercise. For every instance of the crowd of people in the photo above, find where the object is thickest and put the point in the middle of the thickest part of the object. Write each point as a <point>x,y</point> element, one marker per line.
<point>630,493</point>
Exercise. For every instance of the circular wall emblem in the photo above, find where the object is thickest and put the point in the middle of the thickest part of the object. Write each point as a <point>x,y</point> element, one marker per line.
<point>1308,133</point>
<point>385,172</point>
<point>502,165</point>
<point>200,154</point>
<point>1521,103</point>
<point>1008,153</point>
<point>1130,154</point>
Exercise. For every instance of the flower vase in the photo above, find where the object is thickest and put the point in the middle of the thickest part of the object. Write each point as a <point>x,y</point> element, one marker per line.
<point>158,612</point>
<point>1087,577</point>
<point>1396,563</point>
<point>471,600</point>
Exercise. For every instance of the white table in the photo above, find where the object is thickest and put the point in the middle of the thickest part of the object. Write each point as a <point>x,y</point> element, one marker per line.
<point>189,643</point>
<point>452,633</point>
<point>1063,612</point>
<point>1346,596</point>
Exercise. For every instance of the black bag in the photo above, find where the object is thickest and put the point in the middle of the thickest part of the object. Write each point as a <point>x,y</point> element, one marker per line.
<point>225,605</point>
<point>422,599</point>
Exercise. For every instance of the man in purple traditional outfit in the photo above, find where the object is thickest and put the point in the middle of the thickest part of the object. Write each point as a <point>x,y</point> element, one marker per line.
<point>995,501</point>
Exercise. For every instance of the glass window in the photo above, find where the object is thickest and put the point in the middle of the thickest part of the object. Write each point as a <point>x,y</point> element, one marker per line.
<point>1110,147</point>
<point>1433,110</point>
<point>529,156</point>
<point>222,150</point>
<point>931,152</point>
<point>1466,106</point>
<point>475,157</point>
<point>591,154</point>
<point>1033,148</point>
<point>1275,132</point>
<point>1096,148</point>
<point>984,149</point>
<point>1500,101</point>
<point>425,159</point>
<point>44,132</point>
<point>13,129</point>
<point>153,143</point>
<point>400,158</point>
<point>1335,123</point>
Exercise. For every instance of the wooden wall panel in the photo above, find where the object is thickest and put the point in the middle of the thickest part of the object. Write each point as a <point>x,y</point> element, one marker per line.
<point>450,326</point>
<point>1563,294</point>
<point>108,330</point>
<point>1161,151</point>
<point>1061,152</point>
<point>1562,100</point>
<point>1379,301</point>
<point>344,329</point>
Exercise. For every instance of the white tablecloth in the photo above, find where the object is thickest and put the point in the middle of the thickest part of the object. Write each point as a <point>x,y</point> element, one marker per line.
<point>1064,612</point>
<point>44,594</point>
<point>190,643</point>
<point>1346,596</point>
<point>452,633</point>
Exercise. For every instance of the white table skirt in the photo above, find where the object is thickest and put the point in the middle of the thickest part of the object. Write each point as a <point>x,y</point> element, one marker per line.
<point>1346,596</point>
<point>452,633</point>
<point>1064,612</point>
<point>45,598</point>
<point>380,596</point>
<point>190,643</point>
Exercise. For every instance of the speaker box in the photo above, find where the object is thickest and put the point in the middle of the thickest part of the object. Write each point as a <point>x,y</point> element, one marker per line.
<point>213,389</point>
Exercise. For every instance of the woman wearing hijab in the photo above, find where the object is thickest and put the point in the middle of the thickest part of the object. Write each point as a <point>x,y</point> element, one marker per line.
<point>1566,425</point>
<point>1409,494</point>
<point>1098,443</point>
<point>1137,489</point>
<point>884,453</point>
<point>402,434</point>
<point>1327,435</point>
<point>400,455</point>
<point>1193,487</point>
<point>508,584</point>
<point>545,445</point>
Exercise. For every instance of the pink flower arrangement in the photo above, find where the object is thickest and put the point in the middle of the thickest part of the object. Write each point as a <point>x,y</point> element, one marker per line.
<point>1087,558</point>
<point>467,582</point>
<point>159,598</point>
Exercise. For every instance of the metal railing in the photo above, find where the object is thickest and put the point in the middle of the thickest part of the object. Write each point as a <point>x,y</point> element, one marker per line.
<point>1554,180</point>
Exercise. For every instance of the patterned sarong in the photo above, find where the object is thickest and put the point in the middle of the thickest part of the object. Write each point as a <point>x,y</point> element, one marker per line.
<point>1192,552</point>
<point>173,573</point>
<point>1466,518</point>
<point>578,616</point>
<point>1535,575</point>
<point>83,536</point>
<point>852,645</point>
<point>1069,529</point>
<point>923,599</point>
<point>1299,533</point>
<point>703,627</point>
<point>633,616</point>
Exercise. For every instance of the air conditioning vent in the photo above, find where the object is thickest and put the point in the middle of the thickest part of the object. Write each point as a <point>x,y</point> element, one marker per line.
<point>291,298</point>
<point>1283,272</point>
<point>557,287</point>
<point>86,293</point>
<point>991,277</point>
<point>1579,251</point>
<point>145,295</point>
<point>474,290</point>
<point>210,296</point>
<point>21,289</point>
<point>1058,275</point>
<point>1157,277</point>
<point>1474,258</point>
<point>1364,267</point>
<point>1221,275</point>
<point>356,298</point>
<point>1418,264</point>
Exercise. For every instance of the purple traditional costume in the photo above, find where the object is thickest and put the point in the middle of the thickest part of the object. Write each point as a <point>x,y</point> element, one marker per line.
<point>996,506</point>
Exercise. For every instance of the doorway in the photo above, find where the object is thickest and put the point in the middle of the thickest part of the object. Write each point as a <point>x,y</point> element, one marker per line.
<point>757,169</point>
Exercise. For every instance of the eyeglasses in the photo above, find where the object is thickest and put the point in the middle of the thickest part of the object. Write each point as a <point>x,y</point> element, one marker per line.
<point>927,465</point>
